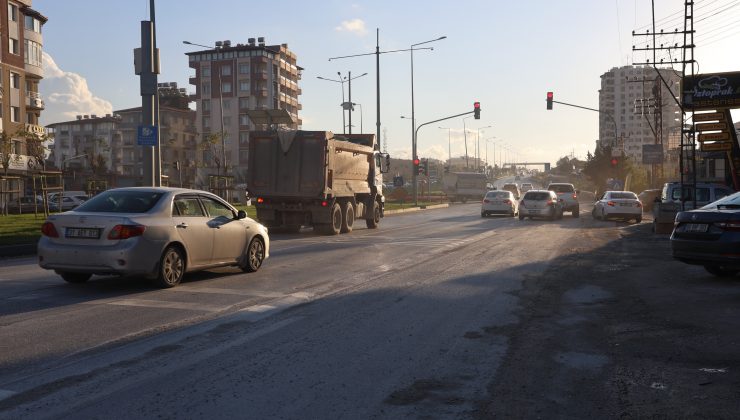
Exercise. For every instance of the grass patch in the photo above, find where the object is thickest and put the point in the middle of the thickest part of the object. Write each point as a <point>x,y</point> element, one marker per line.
<point>18,229</point>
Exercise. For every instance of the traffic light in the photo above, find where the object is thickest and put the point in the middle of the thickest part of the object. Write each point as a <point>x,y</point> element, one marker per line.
<point>425,167</point>
<point>615,162</point>
<point>476,110</point>
<point>549,100</point>
<point>417,167</point>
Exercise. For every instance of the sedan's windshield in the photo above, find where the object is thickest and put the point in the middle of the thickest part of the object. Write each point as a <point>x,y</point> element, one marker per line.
<point>730,199</point>
<point>121,202</point>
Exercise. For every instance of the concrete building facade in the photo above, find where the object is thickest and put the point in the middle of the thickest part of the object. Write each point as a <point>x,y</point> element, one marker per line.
<point>20,74</point>
<point>638,102</point>
<point>229,81</point>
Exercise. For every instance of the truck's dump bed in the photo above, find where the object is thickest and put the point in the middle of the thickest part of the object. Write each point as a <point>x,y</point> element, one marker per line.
<point>306,164</point>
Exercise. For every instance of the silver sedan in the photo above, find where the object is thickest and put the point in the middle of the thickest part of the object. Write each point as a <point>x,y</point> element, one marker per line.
<point>157,232</point>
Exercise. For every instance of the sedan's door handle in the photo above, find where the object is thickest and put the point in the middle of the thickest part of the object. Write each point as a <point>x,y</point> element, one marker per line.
<point>182,225</point>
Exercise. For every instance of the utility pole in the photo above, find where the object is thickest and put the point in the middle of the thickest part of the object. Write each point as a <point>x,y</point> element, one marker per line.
<point>148,68</point>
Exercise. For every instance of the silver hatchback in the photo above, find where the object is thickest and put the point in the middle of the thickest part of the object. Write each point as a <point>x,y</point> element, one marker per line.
<point>157,232</point>
<point>540,203</point>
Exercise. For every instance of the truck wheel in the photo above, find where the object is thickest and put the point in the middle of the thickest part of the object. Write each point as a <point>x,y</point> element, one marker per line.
<point>374,221</point>
<point>335,226</point>
<point>348,217</point>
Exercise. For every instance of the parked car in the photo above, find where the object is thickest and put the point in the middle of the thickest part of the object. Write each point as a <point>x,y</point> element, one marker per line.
<point>648,197</point>
<point>540,203</point>
<point>69,199</point>
<point>568,194</point>
<point>526,186</point>
<point>514,188</point>
<point>157,232</point>
<point>618,205</point>
<point>710,236</point>
<point>28,204</point>
<point>499,202</point>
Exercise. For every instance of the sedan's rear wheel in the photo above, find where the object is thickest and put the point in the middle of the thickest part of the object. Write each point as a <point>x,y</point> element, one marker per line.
<point>75,277</point>
<point>255,256</point>
<point>577,212</point>
<point>720,271</point>
<point>171,267</point>
<point>521,216</point>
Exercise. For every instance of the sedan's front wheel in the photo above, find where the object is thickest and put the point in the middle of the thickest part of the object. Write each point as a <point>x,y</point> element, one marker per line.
<point>255,256</point>
<point>171,267</point>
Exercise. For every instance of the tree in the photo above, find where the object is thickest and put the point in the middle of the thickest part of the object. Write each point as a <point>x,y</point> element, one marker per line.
<point>213,144</point>
<point>6,146</point>
<point>36,148</point>
<point>96,160</point>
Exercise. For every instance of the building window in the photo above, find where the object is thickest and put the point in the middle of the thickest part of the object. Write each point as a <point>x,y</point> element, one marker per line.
<point>244,156</point>
<point>244,86</point>
<point>206,105</point>
<point>15,114</point>
<point>243,120</point>
<point>244,139</point>
<point>32,53</point>
<point>205,88</point>
<point>226,87</point>
<point>15,80</point>
<point>226,103</point>
<point>206,72</point>
<point>13,46</point>
<point>206,123</point>
<point>33,24</point>
<point>12,12</point>
<point>226,70</point>
<point>243,103</point>
<point>244,68</point>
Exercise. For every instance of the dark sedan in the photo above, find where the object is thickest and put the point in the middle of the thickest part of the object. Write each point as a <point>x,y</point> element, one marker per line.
<point>710,236</point>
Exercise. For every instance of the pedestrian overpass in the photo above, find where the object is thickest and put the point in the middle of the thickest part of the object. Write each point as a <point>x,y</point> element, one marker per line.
<point>546,165</point>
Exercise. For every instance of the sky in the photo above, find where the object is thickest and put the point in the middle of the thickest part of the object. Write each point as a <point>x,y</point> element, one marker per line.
<point>504,54</point>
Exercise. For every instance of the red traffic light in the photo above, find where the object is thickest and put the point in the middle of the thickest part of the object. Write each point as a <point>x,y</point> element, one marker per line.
<point>416,162</point>
<point>476,110</point>
<point>476,105</point>
<point>549,100</point>
<point>614,161</point>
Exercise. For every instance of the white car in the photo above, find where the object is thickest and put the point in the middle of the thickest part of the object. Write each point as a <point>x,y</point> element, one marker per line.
<point>526,186</point>
<point>157,232</point>
<point>618,205</point>
<point>540,203</point>
<point>499,202</point>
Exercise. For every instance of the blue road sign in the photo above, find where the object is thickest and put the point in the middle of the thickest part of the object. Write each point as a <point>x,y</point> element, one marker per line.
<point>147,135</point>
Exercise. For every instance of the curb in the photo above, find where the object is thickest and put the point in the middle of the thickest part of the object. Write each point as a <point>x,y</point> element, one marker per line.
<point>20,250</point>
<point>412,209</point>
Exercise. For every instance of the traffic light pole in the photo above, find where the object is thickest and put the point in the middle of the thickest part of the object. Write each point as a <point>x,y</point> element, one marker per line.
<point>413,158</point>
<point>616,137</point>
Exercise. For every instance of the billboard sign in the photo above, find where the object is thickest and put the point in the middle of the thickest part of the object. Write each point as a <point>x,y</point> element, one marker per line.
<point>652,154</point>
<point>711,91</point>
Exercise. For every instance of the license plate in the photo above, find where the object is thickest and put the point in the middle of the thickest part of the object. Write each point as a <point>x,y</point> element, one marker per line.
<point>696,227</point>
<point>85,233</point>
<point>625,204</point>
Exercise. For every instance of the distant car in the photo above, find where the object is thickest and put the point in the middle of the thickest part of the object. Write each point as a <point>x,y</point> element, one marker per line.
<point>499,202</point>
<point>69,199</point>
<point>514,188</point>
<point>704,193</point>
<point>157,232</point>
<point>540,203</point>
<point>710,236</point>
<point>568,194</point>
<point>648,197</point>
<point>618,205</point>
<point>526,186</point>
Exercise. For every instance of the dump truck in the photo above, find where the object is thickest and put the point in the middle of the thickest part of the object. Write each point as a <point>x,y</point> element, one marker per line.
<point>464,186</point>
<point>316,178</point>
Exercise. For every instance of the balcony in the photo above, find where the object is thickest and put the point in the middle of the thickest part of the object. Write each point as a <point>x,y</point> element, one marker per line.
<point>34,101</point>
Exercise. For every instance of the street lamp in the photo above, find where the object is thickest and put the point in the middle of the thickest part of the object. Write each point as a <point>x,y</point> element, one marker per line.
<point>221,112</point>
<point>494,151</point>
<point>341,81</point>
<point>360,105</point>
<point>449,142</point>
<point>477,138</point>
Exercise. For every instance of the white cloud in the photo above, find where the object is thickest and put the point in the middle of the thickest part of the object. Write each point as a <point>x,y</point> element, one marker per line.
<point>355,26</point>
<point>66,95</point>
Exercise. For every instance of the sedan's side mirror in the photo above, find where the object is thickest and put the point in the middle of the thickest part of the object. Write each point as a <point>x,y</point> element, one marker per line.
<point>241,214</point>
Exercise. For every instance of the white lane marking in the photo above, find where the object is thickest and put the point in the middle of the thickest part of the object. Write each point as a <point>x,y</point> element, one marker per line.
<point>6,393</point>
<point>165,305</point>
<point>223,291</point>
<point>256,312</point>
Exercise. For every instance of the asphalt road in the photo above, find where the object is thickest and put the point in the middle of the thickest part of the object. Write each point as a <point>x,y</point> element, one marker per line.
<point>437,314</point>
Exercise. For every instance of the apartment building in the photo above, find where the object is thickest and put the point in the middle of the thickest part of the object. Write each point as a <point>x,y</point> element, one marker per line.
<point>20,75</point>
<point>635,99</point>
<point>231,80</point>
<point>105,147</point>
